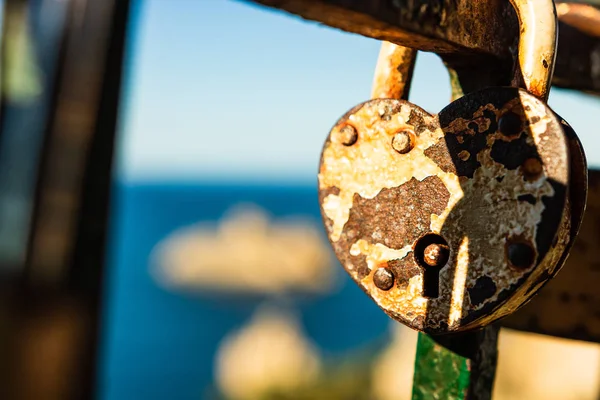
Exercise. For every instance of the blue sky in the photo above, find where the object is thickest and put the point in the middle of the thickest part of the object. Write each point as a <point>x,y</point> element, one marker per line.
<point>220,89</point>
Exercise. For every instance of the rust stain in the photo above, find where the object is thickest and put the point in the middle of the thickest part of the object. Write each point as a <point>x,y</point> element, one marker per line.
<point>372,164</point>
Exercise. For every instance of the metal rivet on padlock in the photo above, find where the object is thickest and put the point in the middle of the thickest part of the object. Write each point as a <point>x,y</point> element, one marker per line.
<point>348,135</point>
<point>451,221</point>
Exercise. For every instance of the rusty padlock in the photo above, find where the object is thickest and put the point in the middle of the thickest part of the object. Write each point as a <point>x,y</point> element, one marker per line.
<point>452,221</point>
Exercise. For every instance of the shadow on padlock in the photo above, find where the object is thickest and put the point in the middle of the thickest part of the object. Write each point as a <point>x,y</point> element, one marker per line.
<point>513,226</point>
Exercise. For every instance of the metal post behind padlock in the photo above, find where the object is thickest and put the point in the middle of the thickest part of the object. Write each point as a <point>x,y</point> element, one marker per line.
<point>452,221</point>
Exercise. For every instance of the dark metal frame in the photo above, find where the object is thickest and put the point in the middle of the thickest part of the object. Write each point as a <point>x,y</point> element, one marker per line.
<point>57,295</point>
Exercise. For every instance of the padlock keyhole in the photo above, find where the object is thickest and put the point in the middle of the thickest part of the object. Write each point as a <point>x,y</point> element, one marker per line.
<point>431,254</point>
<point>431,282</point>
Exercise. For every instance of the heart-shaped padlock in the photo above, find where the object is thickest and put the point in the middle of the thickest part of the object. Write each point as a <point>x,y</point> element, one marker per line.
<point>451,221</point>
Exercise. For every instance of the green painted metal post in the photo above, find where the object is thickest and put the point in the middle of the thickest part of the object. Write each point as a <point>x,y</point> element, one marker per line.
<point>461,367</point>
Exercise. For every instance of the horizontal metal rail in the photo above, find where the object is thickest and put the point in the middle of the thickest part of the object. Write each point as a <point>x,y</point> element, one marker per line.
<point>461,30</point>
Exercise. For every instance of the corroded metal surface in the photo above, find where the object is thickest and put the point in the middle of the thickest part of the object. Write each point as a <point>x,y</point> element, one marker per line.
<point>393,72</point>
<point>468,182</point>
<point>458,30</point>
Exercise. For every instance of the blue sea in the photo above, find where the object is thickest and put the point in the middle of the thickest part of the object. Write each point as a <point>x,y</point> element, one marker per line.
<point>161,344</point>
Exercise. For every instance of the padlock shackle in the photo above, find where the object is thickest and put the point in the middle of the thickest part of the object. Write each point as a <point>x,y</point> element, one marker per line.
<point>533,71</point>
<point>393,72</point>
<point>538,24</point>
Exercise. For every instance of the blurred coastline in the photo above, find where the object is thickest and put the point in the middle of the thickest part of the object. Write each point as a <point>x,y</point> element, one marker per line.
<point>202,338</point>
<point>246,252</point>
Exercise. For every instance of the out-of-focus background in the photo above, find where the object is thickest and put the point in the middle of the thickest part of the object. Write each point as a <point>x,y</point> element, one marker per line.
<point>219,280</point>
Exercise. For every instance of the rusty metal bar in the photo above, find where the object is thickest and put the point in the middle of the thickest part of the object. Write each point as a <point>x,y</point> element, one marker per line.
<point>440,26</point>
<point>460,31</point>
<point>583,17</point>
<point>595,3</point>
